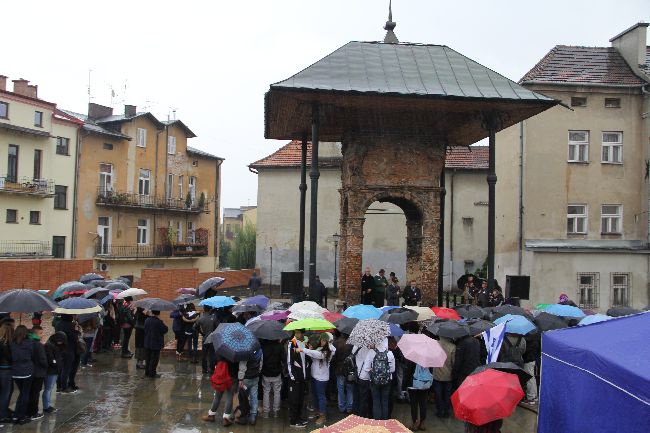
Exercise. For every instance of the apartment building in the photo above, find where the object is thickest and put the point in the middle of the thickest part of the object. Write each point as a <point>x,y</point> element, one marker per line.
<point>38,152</point>
<point>235,219</point>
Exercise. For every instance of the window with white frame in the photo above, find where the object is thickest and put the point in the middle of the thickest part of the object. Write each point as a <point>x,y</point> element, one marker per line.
<point>144,182</point>
<point>612,152</point>
<point>169,186</point>
<point>192,189</point>
<point>179,232</point>
<point>577,219</point>
<point>588,289</point>
<point>620,288</point>
<point>171,145</point>
<point>143,231</point>
<point>142,137</point>
<point>578,146</point>
<point>180,188</point>
<point>105,178</point>
<point>191,233</point>
<point>611,217</point>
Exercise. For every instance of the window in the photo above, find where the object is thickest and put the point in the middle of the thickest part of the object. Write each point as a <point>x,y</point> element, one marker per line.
<point>192,189</point>
<point>108,146</point>
<point>143,232</point>
<point>105,178</point>
<point>12,215</point>
<point>12,164</point>
<point>171,145</point>
<point>34,217</point>
<point>60,197</point>
<point>180,188</point>
<point>578,146</point>
<point>588,283</point>
<point>58,247</point>
<point>38,157</point>
<point>142,137</point>
<point>144,182</point>
<point>578,101</point>
<point>38,118</point>
<point>62,146</point>
<point>612,102</point>
<point>4,110</point>
<point>195,163</point>
<point>611,216</point>
<point>170,186</point>
<point>620,288</point>
<point>576,219</point>
<point>612,147</point>
<point>179,232</point>
<point>104,233</point>
<point>191,233</point>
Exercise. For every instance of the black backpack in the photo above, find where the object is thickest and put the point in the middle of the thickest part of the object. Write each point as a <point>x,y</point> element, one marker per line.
<point>350,366</point>
<point>512,352</point>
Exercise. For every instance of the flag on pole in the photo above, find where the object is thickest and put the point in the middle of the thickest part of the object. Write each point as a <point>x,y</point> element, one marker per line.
<point>493,339</point>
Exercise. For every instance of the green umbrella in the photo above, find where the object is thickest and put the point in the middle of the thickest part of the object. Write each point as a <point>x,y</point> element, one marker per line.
<point>310,324</point>
<point>541,306</point>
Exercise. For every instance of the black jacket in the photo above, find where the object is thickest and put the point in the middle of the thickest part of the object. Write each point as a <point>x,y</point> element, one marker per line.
<point>533,347</point>
<point>54,358</point>
<point>296,363</point>
<point>40,360</point>
<point>67,327</point>
<point>342,351</point>
<point>272,363</point>
<point>412,295</point>
<point>467,358</point>
<point>5,356</point>
<point>22,357</point>
<point>206,324</point>
<point>154,333</point>
<point>254,283</point>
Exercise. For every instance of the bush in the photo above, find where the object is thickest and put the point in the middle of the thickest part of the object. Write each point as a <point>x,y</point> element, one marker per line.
<point>242,254</point>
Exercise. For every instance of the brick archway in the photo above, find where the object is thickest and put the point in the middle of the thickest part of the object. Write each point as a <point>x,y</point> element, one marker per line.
<point>405,171</point>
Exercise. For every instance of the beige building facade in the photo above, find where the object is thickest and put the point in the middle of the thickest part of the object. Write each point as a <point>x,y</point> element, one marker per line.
<point>572,191</point>
<point>38,152</point>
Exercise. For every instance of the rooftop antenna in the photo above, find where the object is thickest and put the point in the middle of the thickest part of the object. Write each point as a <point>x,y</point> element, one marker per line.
<point>89,97</point>
<point>390,37</point>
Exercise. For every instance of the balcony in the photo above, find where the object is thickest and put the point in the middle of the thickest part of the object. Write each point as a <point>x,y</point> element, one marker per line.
<point>27,186</point>
<point>25,249</point>
<point>127,200</point>
<point>194,246</point>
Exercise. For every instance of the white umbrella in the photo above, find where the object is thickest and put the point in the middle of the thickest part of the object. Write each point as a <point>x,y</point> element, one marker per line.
<point>131,293</point>
<point>307,306</point>
<point>424,313</point>
<point>305,314</point>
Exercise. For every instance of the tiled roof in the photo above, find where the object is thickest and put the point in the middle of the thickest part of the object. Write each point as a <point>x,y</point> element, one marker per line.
<point>93,127</point>
<point>583,65</point>
<point>194,151</point>
<point>288,156</point>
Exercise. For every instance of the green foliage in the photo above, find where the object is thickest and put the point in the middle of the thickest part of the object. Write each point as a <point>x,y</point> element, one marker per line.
<point>224,250</point>
<point>242,254</point>
<point>188,200</point>
<point>202,200</point>
<point>482,271</point>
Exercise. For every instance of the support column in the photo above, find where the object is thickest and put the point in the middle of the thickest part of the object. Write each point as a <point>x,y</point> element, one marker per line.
<point>429,262</point>
<point>314,174</point>
<point>413,251</point>
<point>441,245</point>
<point>353,260</point>
<point>492,181</point>
<point>303,196</point>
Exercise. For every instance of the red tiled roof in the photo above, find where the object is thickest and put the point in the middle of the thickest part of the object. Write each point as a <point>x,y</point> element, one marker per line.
<point>475,157</point>
<point>583,65</point>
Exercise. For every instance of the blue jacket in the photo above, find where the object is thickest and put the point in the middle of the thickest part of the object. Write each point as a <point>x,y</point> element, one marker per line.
<point>154,333</point>
<point>22,358</point>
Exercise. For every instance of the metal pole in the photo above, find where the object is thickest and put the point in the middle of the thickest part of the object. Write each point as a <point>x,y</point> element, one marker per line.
<point>303,195</point>
<point>271,275</point>
<point>491,180</point>
<point>314,174</point>
<point>441,244</point>
<point>336,248</point>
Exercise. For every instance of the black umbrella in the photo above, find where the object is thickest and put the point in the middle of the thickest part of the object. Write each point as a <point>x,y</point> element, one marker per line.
<point>477,326</point>
<point>87,278</point>
<point>507,367</point>
<point>247,308</point>
<point>449,329</point>
<point>155,304</point>
<point>460,283</point>
<point>502,310</point>
<point>25,301</point>
<point>268,330</point>
<point>622,311</point>
<point>210,283</point>
<point>470,311</point>
<point>116,285</point>
<point>399,316</point>
<point>547,322</point>
<point>234,341</point>
<point>346,325</point>
<point>97,293</point>
<point>184,299</point>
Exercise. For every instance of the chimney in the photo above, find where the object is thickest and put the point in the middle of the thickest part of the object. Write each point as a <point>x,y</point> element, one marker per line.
<point>96,111</point>
<point>3,82</point>
<point>20,87</point>
<point>631,43</point>
<point>130,110</point>
<point>32,91</point>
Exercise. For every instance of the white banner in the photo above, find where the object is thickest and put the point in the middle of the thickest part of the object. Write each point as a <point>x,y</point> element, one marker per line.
<point>493,338</point>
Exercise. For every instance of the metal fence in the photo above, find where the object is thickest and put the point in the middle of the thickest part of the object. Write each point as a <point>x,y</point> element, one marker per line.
<point>149,251</point>
<point>26,185</point>
<point>127,199</point>
<point>25,249</point>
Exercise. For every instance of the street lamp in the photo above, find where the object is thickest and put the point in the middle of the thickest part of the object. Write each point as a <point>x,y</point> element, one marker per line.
<point>336,238</point>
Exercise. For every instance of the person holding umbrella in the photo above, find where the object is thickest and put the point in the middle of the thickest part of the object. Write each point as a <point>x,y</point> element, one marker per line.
<point>140,350</point>
<point>154,341</point>
<point>70,357</point>
<point>467,358</point>
<point>249,379</point>
<point>22,370</point>
<point>271,376</point>
<point>126,321</point>
<point>297,371</point>
<point>321,351</point>
<point>378,368</point>
<point>205,325</point>
<point>344,387</point>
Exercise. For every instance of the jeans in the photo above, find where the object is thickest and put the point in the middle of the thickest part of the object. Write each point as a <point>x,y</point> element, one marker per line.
<point>319,388</point>
<point>208,358</point>
<point>227,409</point>
<point>442,391</point>
<point>193,339</point>
<point>296,398</point>
<point>531,385</point>
<point>50,380</point>
<point>34,394</point>
<point>151,363</point>
<point>380,396</point>
<point>24,387</point>
<point>345,393</point>
<point>181,339</point>
<point>362,398</point>
<point>126,337</point>
<point>6,386</point>
<point>269,384</point>
<point>252,385</point>
<point>85,357</point>
<point>418,399</point>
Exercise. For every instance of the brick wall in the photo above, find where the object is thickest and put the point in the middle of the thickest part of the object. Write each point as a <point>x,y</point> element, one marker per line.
<point>41,274</point>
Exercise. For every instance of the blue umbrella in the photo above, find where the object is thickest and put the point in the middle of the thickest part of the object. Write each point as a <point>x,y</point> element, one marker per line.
<point>217,302</point>
<point>362,312</point>
<point>78,306</point>
<point>516,324</point>
<point>210,283</point>
<point>234,342</point>
<point>395,330</point>
<point>87,278</point>
<point>564,310</point>
<point>260,300</point>
<point>594,318</point>
<point>388,308</point>
<point>116,285</point>
<point>97,292</point>
<point>70,286</point>
<point>25,301</point>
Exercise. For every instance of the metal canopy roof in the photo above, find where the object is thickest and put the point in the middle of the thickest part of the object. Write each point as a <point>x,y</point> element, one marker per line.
<point>377,86</point>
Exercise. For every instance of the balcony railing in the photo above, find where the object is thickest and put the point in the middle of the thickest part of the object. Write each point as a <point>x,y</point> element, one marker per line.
<point>144,201</point>
<point>27,185</point>
<point>25,249</point>
<point>151,251</point>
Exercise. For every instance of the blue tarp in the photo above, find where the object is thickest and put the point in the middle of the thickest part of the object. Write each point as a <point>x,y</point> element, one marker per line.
<point>596,378</point>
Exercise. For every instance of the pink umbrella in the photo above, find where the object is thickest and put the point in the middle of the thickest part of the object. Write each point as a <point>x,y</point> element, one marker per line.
<point>332,316</point>
<point>187,291</point>
<point>422,350</point>
<point>275,315</point>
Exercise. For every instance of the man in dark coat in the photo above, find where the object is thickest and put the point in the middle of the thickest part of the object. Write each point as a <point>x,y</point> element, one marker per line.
<point>412,294</point>
<point>154,341</point>
<point>320,291</point>
<point>367,287</point>
<point>380,288</point>
<point>254,283</point>
<point>467,358</point>
<point>66,378</point>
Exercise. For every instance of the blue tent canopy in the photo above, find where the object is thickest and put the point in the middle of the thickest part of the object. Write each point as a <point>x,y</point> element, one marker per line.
<point>596,378</point>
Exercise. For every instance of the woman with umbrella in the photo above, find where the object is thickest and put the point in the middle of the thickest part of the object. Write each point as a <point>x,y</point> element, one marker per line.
<point>321,351</point>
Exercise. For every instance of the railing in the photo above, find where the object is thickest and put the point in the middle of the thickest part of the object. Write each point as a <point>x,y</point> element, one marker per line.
<point>25,249</point>
<point>127,199</point>
<point>453,299</point>
<point>27,185</point>
<point>148,251</point>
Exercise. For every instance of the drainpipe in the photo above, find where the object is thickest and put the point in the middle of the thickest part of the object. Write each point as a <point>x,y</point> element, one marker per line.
<point>217,207</point>
<point>73,248</point>
<point>441,240</point>
<point>155,188</point>
<point>521,197</point>
<point>451,228</point>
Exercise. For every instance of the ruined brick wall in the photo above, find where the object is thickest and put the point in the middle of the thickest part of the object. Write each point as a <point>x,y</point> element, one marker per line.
<point>403,170</point>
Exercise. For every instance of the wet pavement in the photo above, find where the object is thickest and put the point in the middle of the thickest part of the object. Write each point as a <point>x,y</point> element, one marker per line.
<point>115,397</point>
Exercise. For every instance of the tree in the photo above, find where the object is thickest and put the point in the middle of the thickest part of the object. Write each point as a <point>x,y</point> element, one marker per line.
<point>242,254</point>
<point>224,250</point>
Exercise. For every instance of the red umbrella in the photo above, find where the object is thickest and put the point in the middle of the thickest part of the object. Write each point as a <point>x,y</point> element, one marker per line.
<point>446,313</point>
<point>332,316</point>
<point>487,396</point>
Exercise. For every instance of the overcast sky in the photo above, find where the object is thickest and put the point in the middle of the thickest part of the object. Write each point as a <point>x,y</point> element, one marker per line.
<point>213,61</point>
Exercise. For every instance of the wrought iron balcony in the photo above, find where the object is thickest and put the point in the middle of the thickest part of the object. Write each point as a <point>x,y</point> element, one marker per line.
<point>27,185</point>
<point>25,249</point>
<point>112,198</point>
<point>103,251</point>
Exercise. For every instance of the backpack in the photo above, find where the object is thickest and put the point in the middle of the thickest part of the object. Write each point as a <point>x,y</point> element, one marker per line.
<point>380,371</point>
<point>350,367</point>
<point>512,352</point>
<point>422,377</point>
<point>221,379</point>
